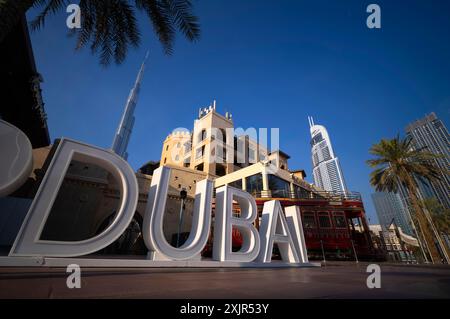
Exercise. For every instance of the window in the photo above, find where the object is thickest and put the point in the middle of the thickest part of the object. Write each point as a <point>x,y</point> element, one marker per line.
<point>202,135</point>
<point>220,170</point>
<point>251,155</point>
<point>339,220</point>
<point>279,187</point>
<point>177,158</point>
<point>318,138</point>
<point>236,184</point>
<point>308,220</point>
<point>300,192</point>
<point>178,145</point>
<point>324,220</point>
<point>187,147</point>
<point>222,135</point>
<point>199,168</point>
<point>200,152</point>
<point>165,160</point>
<point>254,183</point>
<point>167,147</point>
<point>221,154</point>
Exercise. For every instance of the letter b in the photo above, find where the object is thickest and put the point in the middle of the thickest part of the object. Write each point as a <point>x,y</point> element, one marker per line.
<point>224,222</point>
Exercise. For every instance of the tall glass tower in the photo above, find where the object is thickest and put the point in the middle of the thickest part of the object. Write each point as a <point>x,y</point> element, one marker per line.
<point>430,134</point>
<point>389,207</point>
<point>327,172</point>
<point>123,134</point>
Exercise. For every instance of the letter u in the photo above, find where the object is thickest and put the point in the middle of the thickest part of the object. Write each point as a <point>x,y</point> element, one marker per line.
<point>154,218</point>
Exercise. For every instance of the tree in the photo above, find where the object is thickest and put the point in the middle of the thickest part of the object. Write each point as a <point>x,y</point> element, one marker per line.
<point>110,26</point>
<point>397,163</point>
<point>440,216</point>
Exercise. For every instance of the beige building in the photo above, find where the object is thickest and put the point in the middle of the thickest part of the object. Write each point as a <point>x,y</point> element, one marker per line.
<point>398,246</point>
<point>214,148</point>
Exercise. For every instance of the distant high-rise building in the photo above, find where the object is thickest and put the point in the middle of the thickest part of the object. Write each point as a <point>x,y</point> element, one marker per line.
<point>327,172</point>
<point>390,207</point>
<point>123,134</point>
<point>430,134</point>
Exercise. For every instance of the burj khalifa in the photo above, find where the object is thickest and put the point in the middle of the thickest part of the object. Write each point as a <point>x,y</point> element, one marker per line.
<point>123,134</point>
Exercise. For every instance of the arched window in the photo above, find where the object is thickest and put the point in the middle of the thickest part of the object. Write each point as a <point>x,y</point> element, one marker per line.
<point>203,135</point>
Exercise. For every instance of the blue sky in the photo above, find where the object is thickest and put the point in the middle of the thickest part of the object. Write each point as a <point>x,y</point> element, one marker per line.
<point>270,63</point>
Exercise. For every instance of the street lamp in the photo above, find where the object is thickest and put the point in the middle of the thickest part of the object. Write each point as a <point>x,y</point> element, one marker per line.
<point>183,195</point>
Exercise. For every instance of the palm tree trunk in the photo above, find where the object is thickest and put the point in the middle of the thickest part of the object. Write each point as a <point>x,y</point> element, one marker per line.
<point>421,219</point>
<point>418,231</point>
<point>422,240</point>
<point>11,12</point>
<point>435,232</point>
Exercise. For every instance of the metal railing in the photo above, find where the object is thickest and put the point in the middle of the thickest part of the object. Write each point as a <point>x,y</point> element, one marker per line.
<point>330,196</point>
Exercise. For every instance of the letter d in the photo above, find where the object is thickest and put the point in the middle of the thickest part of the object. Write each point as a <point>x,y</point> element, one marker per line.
<point>28,241</point>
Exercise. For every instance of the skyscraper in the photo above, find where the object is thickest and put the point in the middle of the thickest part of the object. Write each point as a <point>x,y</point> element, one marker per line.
<point>327,172</point>
<point>122,137</point>
<point>389,206</point>
<point>430,134</point>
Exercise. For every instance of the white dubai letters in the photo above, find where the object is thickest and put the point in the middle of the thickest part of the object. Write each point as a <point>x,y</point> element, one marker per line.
<point>275,228</point>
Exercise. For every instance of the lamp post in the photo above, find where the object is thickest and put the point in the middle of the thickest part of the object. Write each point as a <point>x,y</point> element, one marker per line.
<point>183,195</point>
<point>323,252</point>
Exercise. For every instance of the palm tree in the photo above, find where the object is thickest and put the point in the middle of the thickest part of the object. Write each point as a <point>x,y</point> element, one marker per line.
<point>110,26</point>
<point>440,216</point>
<point>397,163</point>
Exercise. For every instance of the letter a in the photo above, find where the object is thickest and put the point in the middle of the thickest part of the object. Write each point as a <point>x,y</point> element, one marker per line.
<point>374,20</point>
<point>274,229</point>
<point>74,279</point>
<point>74,19</point>
<point>374,279</point>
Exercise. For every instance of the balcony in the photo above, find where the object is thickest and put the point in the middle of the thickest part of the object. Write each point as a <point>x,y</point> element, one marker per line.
<point>329,196</point>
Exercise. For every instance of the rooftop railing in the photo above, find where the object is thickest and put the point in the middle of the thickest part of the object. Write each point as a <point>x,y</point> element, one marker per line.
<point>330,196</point>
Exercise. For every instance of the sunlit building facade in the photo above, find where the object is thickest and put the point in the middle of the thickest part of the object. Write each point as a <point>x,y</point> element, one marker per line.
<point>430,134</point>
<point>327,171</point>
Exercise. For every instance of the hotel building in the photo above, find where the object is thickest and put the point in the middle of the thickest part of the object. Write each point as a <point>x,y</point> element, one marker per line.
<point>327,171</point>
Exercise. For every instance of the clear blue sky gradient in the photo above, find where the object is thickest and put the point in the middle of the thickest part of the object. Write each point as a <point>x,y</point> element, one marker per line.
<point>271,63</point>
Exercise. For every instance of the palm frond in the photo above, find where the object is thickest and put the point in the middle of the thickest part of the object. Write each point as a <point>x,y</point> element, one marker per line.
<point>396,161</point>
<point>161,20</point>
<point>52,7</point>
<point>181,14</point>
<point>110,27</point>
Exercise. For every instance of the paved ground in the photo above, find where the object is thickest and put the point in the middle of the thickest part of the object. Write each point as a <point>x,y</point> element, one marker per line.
<point>344,280</point>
